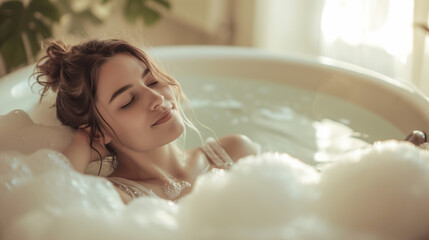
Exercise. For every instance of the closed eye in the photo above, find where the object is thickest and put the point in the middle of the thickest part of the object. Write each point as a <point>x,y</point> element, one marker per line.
<point>129,103</point>
<point>153,83</point>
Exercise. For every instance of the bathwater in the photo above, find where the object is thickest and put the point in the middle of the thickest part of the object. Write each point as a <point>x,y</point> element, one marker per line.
<point>311,126</point>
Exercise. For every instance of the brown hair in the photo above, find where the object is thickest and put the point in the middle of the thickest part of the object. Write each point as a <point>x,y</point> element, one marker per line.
<point>72,72</point>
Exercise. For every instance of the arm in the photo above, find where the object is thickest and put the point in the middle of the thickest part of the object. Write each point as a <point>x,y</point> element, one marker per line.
<point>80,154</point>
<point>238,146</point>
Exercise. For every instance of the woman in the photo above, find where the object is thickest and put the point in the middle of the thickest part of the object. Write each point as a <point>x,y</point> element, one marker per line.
<point>121,104</point>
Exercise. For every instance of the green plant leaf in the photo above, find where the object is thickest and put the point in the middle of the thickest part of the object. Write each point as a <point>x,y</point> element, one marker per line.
<point>135,9</point>
<point>42,29</point>
<point>22,28</point>
<point>13,52</point>
<point>45,8</point>
<point>33,41</point>
<point>10,13</point>
<point>150,16</point>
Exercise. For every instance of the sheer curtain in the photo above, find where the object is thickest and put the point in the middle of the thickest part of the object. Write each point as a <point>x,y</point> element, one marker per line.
<point>380,35</point>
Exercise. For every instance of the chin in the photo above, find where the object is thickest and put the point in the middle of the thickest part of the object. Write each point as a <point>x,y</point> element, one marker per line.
<point>180,130</point>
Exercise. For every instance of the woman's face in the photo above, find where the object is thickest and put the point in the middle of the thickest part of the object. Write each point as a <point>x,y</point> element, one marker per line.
<point>140,109</point>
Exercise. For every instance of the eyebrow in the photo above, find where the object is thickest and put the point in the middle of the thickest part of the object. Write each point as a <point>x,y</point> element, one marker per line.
<point>119,91</point>
<point>126,87</point>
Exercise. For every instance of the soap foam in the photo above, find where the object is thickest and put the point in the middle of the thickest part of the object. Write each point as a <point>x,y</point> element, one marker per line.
<point>378,192</point>
<point>383,189</point>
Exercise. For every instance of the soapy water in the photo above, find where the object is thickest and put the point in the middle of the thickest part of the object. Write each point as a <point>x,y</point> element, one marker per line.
<point>368,191</point>
<point>308,125</point>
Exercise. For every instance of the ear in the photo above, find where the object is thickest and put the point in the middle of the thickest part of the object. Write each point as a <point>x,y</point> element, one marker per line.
<point>106,140</point>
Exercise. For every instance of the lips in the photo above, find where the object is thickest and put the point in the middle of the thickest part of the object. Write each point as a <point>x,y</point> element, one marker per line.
<point>164,116</point>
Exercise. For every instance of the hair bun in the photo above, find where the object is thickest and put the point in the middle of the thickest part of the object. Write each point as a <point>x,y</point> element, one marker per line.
<point>50,66</point>
<point>57,50</point>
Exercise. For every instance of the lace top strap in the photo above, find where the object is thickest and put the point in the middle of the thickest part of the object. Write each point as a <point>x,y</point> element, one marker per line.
<point>216,154</point>
<point>132,188</point>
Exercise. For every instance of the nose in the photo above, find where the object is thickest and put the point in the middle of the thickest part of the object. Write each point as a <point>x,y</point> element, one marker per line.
<point>156,100</point>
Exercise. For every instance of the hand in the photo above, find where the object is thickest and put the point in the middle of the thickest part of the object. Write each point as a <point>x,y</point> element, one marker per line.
<point>82,139</point>
<point>80,153</point>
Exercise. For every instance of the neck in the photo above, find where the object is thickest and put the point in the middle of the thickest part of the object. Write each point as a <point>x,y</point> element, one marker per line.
<point>160,164</point>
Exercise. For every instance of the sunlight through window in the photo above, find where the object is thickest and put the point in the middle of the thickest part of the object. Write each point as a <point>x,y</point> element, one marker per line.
<point>385,24</point>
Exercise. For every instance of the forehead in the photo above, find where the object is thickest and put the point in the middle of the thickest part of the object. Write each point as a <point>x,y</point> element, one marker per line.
<point>118,71</point>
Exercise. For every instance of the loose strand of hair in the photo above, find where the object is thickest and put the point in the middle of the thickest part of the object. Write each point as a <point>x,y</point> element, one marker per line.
<point>193,117</point>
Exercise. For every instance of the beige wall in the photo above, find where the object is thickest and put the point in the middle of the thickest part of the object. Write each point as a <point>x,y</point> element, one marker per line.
<point>188,22</point>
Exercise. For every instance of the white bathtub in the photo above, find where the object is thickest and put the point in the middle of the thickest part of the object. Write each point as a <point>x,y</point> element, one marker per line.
<point>392,103</point>
<point>399,103</point>
<point>401,106</point>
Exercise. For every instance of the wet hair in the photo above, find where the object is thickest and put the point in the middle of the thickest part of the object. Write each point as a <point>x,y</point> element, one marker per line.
<point>72,72</point>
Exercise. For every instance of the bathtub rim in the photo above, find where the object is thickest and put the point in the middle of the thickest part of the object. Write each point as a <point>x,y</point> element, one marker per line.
<point>410,101</point>
<point>404,105</point>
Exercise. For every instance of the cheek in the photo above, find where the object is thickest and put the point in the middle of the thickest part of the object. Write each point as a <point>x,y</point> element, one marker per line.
<point>132,135</point>
<point>133,124</point>
<point>128,126</point>
<point>137,137</point>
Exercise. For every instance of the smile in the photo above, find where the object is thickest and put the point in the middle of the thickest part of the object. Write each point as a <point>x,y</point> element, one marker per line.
<point>167,115</point>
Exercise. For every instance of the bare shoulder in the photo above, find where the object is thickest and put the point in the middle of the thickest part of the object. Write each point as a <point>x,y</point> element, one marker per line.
<point>238,146</point>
